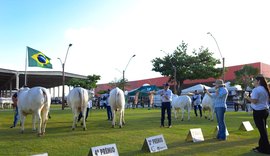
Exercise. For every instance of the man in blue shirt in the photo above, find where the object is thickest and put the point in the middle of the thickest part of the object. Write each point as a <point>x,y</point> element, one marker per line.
<point>166,98</point>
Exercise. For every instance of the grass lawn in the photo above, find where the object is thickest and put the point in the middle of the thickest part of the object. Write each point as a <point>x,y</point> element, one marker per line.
<point>140,124</point>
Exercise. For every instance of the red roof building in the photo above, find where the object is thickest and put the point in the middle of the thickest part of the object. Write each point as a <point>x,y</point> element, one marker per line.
<point>159,81</point>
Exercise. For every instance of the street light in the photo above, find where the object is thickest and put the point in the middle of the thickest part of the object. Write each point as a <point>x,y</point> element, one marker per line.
<point>174,68</point>
<point>223,59</point>
<point>63,77</point>
<point>125,70</point>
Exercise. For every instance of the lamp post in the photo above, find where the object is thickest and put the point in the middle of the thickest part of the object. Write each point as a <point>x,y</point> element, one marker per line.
<point>125,71</point>
<point>174,68</point>
<point>63,77</point>
<point>223,59</point>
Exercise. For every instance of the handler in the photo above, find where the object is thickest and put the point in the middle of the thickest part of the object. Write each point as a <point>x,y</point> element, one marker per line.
<point>166,98</point>
<point>15,106</point>
<point>219,99</point>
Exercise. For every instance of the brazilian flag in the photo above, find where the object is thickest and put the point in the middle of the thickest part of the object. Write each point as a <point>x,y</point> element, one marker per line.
<point>38,59</point>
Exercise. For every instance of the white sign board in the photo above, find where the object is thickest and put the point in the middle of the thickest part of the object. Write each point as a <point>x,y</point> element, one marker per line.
<point>43,154</point>
<point>195,135</point>
<point>246,126</point>
<point>105,150</point>
<point>154,144</point>
<point>216,131</point>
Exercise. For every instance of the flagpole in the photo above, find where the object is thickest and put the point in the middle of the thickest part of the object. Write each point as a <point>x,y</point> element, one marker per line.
<point>25,73</point>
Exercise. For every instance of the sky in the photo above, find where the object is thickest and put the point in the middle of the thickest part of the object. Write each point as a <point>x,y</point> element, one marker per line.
<point>105,34</point>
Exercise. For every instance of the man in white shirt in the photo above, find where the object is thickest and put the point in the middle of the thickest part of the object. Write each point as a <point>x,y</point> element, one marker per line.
<point>197,100</point>
<point>166,98</point>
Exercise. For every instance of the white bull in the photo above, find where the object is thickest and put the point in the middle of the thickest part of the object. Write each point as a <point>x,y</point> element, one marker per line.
<point>35,101</point>
<point>207,105</point>
<point>182,102</point>
<point>77,99</point>
<point>117,103</point>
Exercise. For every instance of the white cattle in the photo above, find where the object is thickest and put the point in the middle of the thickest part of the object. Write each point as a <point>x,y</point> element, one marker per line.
<point>5,102</point>
<point>182,102</point>
<point>117,103</point>
<point>207,105</point>
<point>77,99</point>
<point>35,101</point>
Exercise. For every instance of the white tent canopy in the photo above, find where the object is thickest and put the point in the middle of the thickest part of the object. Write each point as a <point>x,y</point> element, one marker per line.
<point>229,87</point>
<point>198,87</point>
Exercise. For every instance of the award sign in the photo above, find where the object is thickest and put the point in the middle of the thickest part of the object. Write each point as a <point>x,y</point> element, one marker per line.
<point>154,144</point>
<point>216,131</point>
<point>246,126</point>
<point>105,150</point>
<point>195,135</point>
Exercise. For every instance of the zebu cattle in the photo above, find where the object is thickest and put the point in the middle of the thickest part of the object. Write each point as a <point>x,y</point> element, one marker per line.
<point>182,102</point>
<point>77,99</point>
<point>207,105</point>
<point>5,102</point>
<point>117,102</point>
<point>35,101</point>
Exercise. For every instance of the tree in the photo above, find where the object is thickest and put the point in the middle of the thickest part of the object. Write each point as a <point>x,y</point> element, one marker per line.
<point>119,83</point>
<point>199,65</point>
<point>89,83</point>
<point>244,76</point>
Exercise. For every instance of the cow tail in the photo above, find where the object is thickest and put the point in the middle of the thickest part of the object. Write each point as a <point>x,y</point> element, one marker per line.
<point>81,95</point>
<point>45,96</point>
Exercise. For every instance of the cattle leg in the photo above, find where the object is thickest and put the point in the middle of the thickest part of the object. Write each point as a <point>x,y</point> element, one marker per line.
<point>175,113</point>
<point>45,113</point>
<point>113,120</point>
<point>120,120</point>
<point>205,116</point>
<point>22,123</point>
<point>34,122</point>
<point>183,111</point>
<point>84,125</point>
<point>189,114</point>
<point>39,123</point>
<point>123,118</point>
<point>75,118</point>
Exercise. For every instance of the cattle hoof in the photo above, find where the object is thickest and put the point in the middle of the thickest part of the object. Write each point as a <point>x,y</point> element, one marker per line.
<point>81,124</point>
<point>22,132</point>
<point>84,128</point>
<point>73,129</point>
<point>40,134</point>
<point>112,126</point>
<point>205,117</point>
<point>182,120</point>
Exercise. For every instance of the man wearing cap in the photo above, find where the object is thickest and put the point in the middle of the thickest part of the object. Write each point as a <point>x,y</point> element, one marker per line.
<point>197,100</point>
<point>166,98</point>
<point>219,100</point>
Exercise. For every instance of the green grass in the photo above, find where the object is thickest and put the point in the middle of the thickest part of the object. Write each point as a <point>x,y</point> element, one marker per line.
<point>140,124</point>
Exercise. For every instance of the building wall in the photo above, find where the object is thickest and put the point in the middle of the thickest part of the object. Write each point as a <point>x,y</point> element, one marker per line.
<point>159,81</point>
